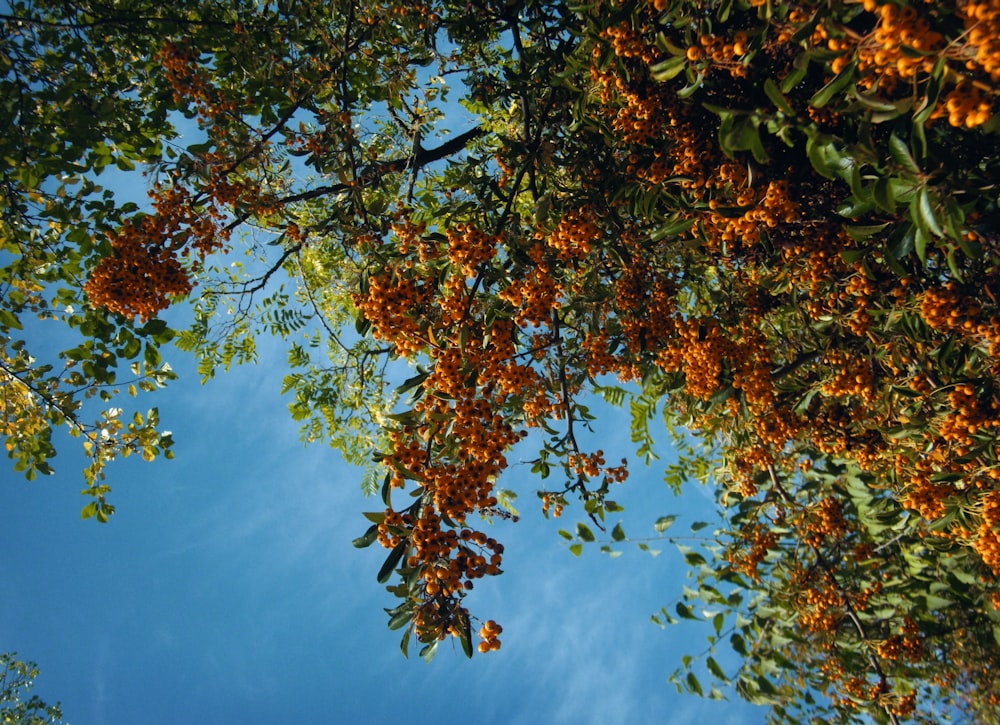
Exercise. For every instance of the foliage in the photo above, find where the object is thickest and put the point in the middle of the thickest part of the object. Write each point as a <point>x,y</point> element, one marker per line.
<point>73,109</point>
<point>16,680</point>
<point>774,224</point>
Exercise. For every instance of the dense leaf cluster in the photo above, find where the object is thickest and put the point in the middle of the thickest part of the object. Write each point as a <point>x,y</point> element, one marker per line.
<point>18,705</point>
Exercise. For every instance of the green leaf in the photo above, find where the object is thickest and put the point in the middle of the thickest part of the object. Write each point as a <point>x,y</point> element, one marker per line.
<point>693,684</point>
<point>153,328</point>
<point>796,75</point>
<point>884,196</point>
<point>404,643</point>
<point>401,619</point>
<point>618,533</point>
<point>8,321</point>
<point>668,69</point>
<point>89,511</point>
<point>935,602</point>
<point>693,558</point>
<point>672,229</point>
<point>900,153</point>
<point>390,563</point>
<point>825,94</point>
<point>151,355</point>
<point>584,532</point>
<point>920,240</point>
<point>925,212</point>
<point>777,98</point>
<point>465,634</point>
<point>824,156</point>
<point>714,668</point>
<point>929,102</point>
<point>860,233</point>
<point>738,644</point>
<point>367,538</point>
<point>663,523</point>
<point>684,611</point>
<point>740,134</point>
<point>691,88</point>
<point>412,382</point>
<point>953,265</point>
<point>428,651</point>
<point>664,43</point>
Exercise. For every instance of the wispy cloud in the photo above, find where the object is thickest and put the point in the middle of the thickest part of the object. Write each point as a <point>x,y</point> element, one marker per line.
<point>99,682</point>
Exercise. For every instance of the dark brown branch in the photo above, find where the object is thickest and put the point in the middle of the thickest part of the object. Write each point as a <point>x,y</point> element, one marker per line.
<point>420,157</point>
<point>279,124</point>
<point>263,280</point>
<point>794,365</point>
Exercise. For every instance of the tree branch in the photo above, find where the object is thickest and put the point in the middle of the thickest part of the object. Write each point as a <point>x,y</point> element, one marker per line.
<point>261,282</point>
<point>420,157</point>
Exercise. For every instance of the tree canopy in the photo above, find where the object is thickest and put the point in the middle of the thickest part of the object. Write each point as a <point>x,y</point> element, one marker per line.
<point>16,680</point>
<point>774,224</point>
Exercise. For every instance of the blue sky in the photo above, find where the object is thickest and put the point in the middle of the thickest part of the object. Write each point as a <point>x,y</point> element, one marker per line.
<point>226,590</point>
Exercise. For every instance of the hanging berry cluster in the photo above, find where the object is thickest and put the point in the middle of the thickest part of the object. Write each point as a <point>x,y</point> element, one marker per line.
<point>485,373</point>
<point>153,257</point>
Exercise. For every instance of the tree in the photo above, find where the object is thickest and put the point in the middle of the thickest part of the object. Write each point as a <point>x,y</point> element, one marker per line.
<point>16,680</point>
<point>774,224</point>
<point>73,110</point>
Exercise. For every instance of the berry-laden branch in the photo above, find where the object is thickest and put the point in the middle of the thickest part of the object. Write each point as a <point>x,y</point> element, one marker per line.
<point>844,601</point>
<point>776,221</point>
